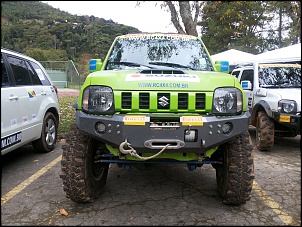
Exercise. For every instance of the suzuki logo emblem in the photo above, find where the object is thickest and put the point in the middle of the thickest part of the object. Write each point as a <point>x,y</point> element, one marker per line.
<point>163,101</point>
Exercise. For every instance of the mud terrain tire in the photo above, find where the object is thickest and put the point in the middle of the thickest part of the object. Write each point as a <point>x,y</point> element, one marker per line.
<point>83,178</point>
<point>265,132</point>
<point>235,176</point>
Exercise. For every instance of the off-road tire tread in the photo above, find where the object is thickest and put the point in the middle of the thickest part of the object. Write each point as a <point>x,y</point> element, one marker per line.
<point>74,174</point>
<point>265,128</point>
<point>237,172</point>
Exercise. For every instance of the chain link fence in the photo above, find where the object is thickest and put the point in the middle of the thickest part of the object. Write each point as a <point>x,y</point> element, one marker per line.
<point>63,74</point>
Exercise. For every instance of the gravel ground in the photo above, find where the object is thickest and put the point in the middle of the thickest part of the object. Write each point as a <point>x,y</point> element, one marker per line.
<point>63,92</point>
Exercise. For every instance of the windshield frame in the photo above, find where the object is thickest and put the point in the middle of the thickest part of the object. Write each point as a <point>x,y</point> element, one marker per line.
<point>167,49</point>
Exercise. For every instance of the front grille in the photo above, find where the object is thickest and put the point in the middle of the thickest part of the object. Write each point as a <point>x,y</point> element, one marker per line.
<point>182,101</point>
<point>161,101</point>
<point>126,100</point>
<point>144,100</point>
<point>200,101</point>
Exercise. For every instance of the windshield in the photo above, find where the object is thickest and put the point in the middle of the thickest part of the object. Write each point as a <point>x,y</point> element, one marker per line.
<point>280,75</point>
<point>158,51</point>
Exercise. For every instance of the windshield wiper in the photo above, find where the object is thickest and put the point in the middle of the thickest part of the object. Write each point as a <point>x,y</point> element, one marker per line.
<point>170,64</point>
<point>270,86</point>
<point>127,63</point>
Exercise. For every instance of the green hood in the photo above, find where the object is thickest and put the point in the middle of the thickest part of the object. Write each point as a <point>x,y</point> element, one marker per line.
<point>130,80</point>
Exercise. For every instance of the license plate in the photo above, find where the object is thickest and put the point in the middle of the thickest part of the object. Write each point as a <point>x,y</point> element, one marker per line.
<point>284,118</point>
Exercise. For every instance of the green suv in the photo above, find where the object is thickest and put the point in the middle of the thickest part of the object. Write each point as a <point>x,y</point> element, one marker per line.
<point>158,98</point>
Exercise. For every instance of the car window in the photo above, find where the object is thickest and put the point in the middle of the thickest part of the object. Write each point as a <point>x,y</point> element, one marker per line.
<point>33,75</point>
<point>247,75</point>
<point>39,74</point>
<point>20,70</point>
<point>235,73</point>
<point>5,78</point>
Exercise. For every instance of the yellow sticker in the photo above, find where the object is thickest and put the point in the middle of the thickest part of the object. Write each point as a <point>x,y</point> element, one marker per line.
<point>135,120</point>
<point>284,118</point>
<point>279,65</point>
<point>192,120</point>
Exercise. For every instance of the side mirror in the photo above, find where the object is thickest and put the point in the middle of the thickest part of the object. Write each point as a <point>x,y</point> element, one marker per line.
<point>246,85</point>
<point>222,66</point>
<point>95,65</point>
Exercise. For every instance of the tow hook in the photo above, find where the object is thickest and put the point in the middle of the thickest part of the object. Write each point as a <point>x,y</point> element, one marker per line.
<point>191,167</point>
<point>127,167</point>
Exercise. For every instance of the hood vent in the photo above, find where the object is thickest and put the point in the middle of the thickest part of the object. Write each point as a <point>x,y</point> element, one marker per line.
<point>159,71</point>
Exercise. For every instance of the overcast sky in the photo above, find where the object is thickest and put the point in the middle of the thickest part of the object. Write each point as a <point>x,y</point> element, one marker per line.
<point>147,17</point>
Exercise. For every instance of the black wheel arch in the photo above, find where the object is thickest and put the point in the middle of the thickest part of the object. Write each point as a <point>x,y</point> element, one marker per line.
<point>54,111</point>
<point>260,106</point>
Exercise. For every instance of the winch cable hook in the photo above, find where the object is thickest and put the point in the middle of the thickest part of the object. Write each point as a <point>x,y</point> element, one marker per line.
<point>133,152</point>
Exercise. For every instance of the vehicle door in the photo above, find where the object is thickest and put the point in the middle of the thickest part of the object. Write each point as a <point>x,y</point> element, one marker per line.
<point>30,96</point>
<point>248,74</point>
<point>11,119</point>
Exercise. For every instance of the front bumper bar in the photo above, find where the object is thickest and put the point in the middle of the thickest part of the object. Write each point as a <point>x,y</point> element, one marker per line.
<point>290,121</point>
<point>145,138</point>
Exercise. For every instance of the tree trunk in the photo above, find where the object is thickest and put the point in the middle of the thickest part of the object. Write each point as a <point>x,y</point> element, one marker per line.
<point>186,17</point>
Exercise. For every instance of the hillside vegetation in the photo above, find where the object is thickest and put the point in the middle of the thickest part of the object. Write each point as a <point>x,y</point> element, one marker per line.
<point>48,34</point>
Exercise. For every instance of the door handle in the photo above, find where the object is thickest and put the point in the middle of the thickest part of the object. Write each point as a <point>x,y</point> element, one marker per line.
<point>43,93</point>
<point>13,97</point>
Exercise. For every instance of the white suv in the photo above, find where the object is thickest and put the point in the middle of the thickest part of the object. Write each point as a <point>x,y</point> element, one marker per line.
<point>30,111</point>
<point>273,92</point>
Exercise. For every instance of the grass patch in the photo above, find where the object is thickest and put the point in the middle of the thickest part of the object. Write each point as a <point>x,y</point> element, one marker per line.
<point>67,114</point>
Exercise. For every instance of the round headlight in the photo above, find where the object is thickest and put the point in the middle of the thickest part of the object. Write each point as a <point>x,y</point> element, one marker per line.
<point>227,101</point>
<point>287,106</point>
<point>98,99</point>
<point>101,99</point>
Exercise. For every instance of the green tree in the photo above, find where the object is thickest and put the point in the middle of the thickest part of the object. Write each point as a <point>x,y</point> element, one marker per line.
<point>47,55</point>
<point>286,10</point>
<point>233,25</point>
<point>245,25</point>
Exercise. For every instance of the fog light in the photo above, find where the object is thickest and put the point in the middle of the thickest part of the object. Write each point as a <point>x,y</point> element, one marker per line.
<point>227,128</point>
<point>100,127</point>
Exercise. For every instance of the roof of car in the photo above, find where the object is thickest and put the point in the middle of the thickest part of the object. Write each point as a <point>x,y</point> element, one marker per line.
<point>250,65</point>
<point>272,61</point>
<point>157,34</point>
<point>5,50</point>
